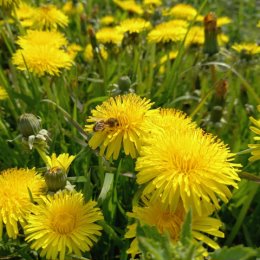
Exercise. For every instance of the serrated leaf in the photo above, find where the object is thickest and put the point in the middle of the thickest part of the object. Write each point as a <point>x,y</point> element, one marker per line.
<point>234,253</point>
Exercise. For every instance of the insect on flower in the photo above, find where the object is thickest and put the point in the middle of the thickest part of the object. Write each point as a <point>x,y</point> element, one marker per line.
<point>108,124</point>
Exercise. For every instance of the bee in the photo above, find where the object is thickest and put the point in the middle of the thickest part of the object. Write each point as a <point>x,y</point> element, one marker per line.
<point>108,124</point>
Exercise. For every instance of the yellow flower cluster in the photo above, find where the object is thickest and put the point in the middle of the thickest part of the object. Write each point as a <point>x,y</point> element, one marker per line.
<point>180,166</point>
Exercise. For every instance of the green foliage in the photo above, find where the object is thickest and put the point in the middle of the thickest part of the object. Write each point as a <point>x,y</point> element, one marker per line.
<point>235,253</point>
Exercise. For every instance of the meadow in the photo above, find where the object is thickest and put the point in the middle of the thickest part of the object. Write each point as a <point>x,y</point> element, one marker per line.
<point>129,129</point>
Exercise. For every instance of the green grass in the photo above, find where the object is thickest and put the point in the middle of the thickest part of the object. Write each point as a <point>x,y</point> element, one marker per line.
<point>187,84</point>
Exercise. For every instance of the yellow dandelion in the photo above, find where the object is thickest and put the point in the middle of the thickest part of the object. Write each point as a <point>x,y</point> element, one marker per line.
<point>255,147</point>
<point>73,49</point>
<point>118,122</point>
<point>49,17</point>
<point>223,21</point>
<point>24,13</point>
<point>36,37</point>
<point>133,25</point>
<point>155,214</point>
<point>195,36</point>
<point>166,118</point>
<point>130,6</point>
<point>3,93</point>
<point>183,11</point>
<point>63,224</point>
<point>41,52</point>
<point>15,202</point>
<point>152,2</point>
<point>108,35</point>
<point>222,39</point>
<point>63,161</point>
<point>72,8</point>
<point>187,165</point>
<point>89,55</point>
<point>171,56</point>
<point>107,20</point>
<point>167,32</point>
<point>246,48</point>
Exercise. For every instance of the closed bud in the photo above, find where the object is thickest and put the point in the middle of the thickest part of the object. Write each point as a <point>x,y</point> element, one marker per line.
<point>210,34</point>
<point>55,179</point>
<point>124,83</point>
<point>29,125</point>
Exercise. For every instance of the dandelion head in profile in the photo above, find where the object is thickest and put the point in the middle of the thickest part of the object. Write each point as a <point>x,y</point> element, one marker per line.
<point>116,123</point>
<point>187,165</point>
<point>154,213</point>
<point>18,188</point>
<point>63,224</point>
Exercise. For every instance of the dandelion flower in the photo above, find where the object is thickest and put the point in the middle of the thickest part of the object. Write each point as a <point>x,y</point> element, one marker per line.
<point>130,6</point>
<point>63,161</point>
<point>49,17</point>
<point>167,32</point>
<point>73,49</point>
<point>63,224</point>
<point>187,165</point>
<point>195,36</point>
<point>89,54</point>
<point>72,8</point>
<point>24,13</point>
<point>107,20</point>
<point>133,25</point>
<point>223,21</point>
<point>3,93</point>
<point>255,147</point>
<point>15,202</point>
<point>184,11</point>
<point>247,48</point>
<point>152,2</point>
<point>166,118</point>
<point>41,52</point>
<point>155,214</point>
<point>109,35</point>
<point>118,122</point>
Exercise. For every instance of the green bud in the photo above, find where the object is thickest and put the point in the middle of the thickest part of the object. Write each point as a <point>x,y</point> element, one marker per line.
<point>55,179</point>
<point>29,125</point>
<point>124,83</point>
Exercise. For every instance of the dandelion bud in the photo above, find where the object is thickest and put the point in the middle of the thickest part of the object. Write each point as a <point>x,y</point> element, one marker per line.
<point>124,83</point>
<point>55,179</point>
<point>210,34</point>
<point>29,125</point>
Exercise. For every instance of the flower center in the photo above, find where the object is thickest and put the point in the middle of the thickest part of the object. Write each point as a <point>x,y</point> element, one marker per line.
<point>64,223</point>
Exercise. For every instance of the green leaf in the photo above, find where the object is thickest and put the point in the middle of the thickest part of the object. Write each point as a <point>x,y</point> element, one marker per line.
<point>234,253</point>
<point>152,244</point>
<point>249,176</point>
<point>186,231</point>
<point>77,179</point>
<point>107,186</point>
